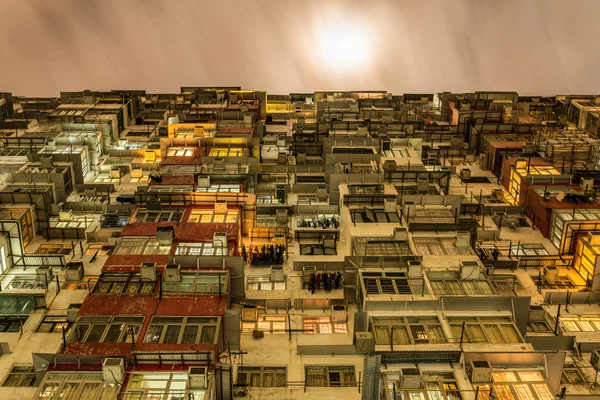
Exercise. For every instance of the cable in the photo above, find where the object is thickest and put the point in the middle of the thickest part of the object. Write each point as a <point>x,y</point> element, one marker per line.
<point>114,377</point>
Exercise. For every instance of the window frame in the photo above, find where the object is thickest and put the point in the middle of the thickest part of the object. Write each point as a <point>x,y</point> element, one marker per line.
<point>25,378</point>
<point>243,373</point>
<point>323,325</point>
<point>483,324</point>
<point>59,320</point>
<point>326,372</point>
<point>166,322</point>
<point>93,324</point>
<point>406,324</point>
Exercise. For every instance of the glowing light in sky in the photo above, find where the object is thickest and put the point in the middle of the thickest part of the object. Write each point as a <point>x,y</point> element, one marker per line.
<point>343,45</point>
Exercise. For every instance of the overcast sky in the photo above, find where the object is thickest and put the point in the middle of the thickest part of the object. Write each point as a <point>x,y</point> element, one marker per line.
<point>534,47</point>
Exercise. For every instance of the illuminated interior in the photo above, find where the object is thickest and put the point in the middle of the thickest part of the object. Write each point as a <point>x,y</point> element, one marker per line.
<point>520,170</point>
<point>180,152</point>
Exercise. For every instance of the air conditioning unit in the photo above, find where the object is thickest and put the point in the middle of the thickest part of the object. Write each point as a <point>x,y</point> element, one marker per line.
<point>172,273</point>
<point>415,269</point>
<point>65,215</point>
<point>50,145</point>
<point>113,370</point>
<point>481,372</point>
<point>469,270</point>
<point>465,173</point>
<point>148,271</point>
<point>408,208</point>
<point>498,193</point>
<point>281,216</point>
<point>389,166</point>
<point>43,274</point>
<point>389,206</point>
<point>220,240</point>
<point>74,271</point>
<point>164,235</point>
<point>411,378</point>
<point>277,274</point>
<point>595,360</point>
<point>528,148</point>
<point>365,342</point>
<point>463,239</point>
<point>72,312</point>
<point>587,183</point>
<point>551,274</point>
<point>89,192</point>
<point>537,313</point>
<point>422,185</point>
<point>115,173</point>
<point>204,181</point>
<point>322,194</point>
<point>47,162</point>
<point>220,207</point>
<point>401,233</point>
<point>198,378</point>
<point>338,313</point>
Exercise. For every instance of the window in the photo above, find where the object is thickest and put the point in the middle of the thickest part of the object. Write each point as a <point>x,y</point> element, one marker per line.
<point>330,376</point>
<point>448,283</point>
<point>12,323</point>
<point>76,385</point>
<point>164,215</point>
<point>198,249</point>
<point>171,189</point>
<point>516,385</point>
<point>106,329</point>
<point>160,385</point>
<point>580,324</point>
<point>77,221</point>
<point>485,330</point>
<point>180,151</point>
<point>183,330</point>
<point>262,376</point>
<point>438,385</point>
<point>141,245</point>
<point>198,282</point>
<point>571,375</point>
<point>264,284</point>
<point>266,323</point>
<point>529,250</point>
<point>210,217</point>
<point>226,152</point>
<point>324,325</point>
<point>20,375</point>
<point>129,283</point>
<point>391,283</point>
<point>407,330</point>
<point>54,324</point>
<point>220,189</point>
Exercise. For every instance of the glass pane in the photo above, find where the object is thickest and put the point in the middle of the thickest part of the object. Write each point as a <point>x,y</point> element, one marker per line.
<point>153,334</point>
<point>95,333</point>
<point>208,334</point>
<point>189,334</point>
<point>172,334</point>
<point>112,336</point>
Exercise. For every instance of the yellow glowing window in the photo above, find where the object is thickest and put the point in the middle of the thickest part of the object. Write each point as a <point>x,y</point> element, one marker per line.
<point>226,152</point>
<point>543,392</point>
<point>180,152</point>
<point>531,376</point>
<point>504,377</point>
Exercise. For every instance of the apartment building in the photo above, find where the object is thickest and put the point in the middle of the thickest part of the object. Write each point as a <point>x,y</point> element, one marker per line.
<point>223,243</point>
